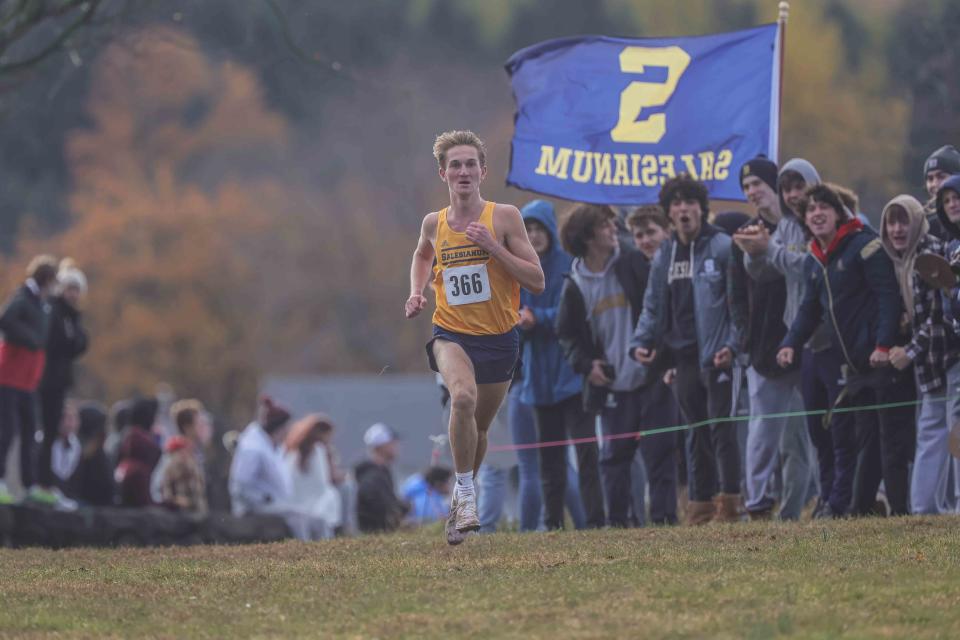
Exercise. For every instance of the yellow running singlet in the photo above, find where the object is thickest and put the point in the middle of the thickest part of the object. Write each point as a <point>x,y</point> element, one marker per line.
<point>475,295</point>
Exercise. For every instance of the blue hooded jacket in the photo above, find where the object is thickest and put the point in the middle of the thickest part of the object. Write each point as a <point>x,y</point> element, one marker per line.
<point>547,377</point>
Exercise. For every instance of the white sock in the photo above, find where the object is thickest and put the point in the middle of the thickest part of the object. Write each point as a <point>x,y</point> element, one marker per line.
<point>465,483</point>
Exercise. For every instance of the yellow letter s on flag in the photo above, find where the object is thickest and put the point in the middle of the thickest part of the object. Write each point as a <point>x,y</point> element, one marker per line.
<point>640,95</point>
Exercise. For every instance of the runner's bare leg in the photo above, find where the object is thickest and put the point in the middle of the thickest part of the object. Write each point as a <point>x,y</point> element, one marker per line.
<point>489,399</point>
<point>456,369</point>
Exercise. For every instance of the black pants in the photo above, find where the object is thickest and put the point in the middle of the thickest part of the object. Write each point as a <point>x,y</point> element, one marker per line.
<point>649,407</point>
<point>822,381</point>
<point>51,412</point>
<point>885,446</point>
<point>713,453</point>
<point>18,416</point>
<point>562,421</point>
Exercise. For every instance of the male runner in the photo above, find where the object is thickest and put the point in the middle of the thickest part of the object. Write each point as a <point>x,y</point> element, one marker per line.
<point>483,257</point>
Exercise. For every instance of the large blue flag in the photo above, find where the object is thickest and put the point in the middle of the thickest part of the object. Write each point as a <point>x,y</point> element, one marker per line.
<point>608,120</point>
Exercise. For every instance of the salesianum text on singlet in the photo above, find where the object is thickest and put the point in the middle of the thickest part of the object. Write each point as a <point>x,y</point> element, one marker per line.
<point>494,316</point>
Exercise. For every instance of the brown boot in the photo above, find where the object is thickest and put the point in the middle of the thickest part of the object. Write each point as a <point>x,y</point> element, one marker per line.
<point>727,507</point>
<point>699,512</point>
<point>683,497</point>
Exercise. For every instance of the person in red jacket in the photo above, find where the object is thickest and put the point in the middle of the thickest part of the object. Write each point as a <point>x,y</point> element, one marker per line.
<point>139,454</point>
<point>24,323</point>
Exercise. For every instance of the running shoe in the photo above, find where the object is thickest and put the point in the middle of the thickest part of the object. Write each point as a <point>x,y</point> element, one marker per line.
<point>467,519</point>
<point>454,537</point>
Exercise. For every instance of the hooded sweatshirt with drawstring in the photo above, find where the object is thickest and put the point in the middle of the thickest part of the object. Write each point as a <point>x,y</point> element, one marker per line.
<point>787,251</point>
<point>547,377</point>
<point>933,347</point>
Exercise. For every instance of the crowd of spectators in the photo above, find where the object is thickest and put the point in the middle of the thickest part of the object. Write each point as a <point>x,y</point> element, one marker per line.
<point>666,318</point>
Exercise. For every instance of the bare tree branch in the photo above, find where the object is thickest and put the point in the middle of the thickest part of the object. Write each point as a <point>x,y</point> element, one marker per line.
<point>87,10</point>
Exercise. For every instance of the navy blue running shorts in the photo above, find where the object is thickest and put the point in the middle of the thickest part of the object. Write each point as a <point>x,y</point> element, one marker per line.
<point>495,358</point>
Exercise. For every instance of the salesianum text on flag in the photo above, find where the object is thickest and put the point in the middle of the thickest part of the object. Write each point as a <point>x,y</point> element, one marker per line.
<point>608,120</point>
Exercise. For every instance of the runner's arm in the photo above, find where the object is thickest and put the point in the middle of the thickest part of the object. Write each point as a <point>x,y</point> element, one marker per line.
<point>421,266</point>
<point>516,253</point>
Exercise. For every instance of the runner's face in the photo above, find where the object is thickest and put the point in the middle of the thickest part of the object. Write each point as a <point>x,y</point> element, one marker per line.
<point>898,230</point>
<point>935,180</point>
<point>686,216</point>
<point>759,193</point>
<point>951,205</point>
<point>821,219</point>
<point>648,237</point>
<point>539,236</point>
<point>463,173</point>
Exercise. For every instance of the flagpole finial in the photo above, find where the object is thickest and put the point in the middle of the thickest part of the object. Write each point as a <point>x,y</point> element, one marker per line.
<point>784,10</point>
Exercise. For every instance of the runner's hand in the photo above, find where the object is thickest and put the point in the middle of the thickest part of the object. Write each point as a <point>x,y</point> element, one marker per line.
<point>527,319</point>
<point>481,236</point>
<point>415,304</point>
<point>669,376</point>
<point>597,377</point>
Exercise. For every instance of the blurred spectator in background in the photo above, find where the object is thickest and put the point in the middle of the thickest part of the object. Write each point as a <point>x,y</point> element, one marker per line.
<point>119,424</point>
<point>258,477</point>
<point>378,507</point>
<point>66,341</point>
<point>182,486</point>
<point>428,495</point>
<point>65,452</point>
<point>191,421</point>
<point>313,492</point>
<point>92,482</point>
<point>139,455</point>
<point>24,323</point>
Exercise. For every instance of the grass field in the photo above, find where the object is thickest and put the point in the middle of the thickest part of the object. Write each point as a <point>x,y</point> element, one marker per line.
<point>896,578</point>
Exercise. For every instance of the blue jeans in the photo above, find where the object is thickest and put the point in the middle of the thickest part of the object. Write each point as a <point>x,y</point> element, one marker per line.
<point>929,489</point>
<point>524,431</point>
<point>491,494</point>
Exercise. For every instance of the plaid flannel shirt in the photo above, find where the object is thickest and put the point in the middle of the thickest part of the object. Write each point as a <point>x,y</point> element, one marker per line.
<point>184,484</point>
<point>934,347</point>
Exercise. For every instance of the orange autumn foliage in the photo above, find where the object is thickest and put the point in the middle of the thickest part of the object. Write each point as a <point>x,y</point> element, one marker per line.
<point>161,228</point>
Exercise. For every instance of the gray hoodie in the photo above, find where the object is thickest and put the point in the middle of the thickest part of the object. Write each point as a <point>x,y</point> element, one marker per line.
<point>710,255</point>
<point>788,247</point>
<point>608,310</point>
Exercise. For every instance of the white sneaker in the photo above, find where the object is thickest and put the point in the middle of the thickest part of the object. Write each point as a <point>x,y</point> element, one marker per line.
<point>63,502</point>
<point>454,537</point>
<point>467,519</point>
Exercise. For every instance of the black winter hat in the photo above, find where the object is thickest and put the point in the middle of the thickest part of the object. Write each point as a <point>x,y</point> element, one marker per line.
<point>946,158</point>
<point>762,167</point>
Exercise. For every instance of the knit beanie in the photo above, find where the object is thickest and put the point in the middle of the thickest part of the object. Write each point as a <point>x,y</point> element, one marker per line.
<point>761,167</point>
<point>71,276</point>
<point>946,159</point>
